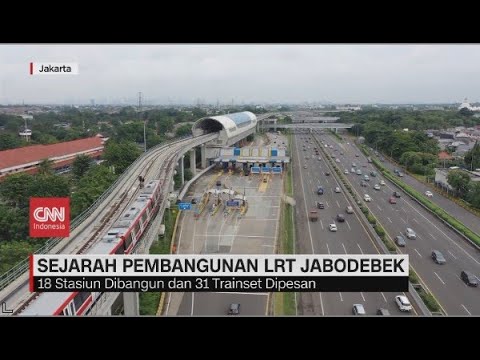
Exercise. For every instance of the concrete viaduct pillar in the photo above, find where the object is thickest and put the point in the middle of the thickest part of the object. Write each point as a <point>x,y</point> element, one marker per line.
<point>192,161</point>
<point>204,156</point>
<point>130,304</point>
<point>182,169</point>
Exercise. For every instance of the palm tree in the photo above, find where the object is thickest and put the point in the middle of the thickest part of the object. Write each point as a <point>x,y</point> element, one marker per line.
<point>45,167</point>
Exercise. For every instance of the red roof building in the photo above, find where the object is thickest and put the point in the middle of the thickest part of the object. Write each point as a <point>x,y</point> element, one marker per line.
<point>443,155</point>
<point>26,159</point>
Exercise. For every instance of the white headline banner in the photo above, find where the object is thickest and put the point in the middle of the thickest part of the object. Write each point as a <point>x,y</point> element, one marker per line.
<point>219,265</point>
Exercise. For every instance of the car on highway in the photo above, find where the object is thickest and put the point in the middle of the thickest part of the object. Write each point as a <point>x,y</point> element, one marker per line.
<point>367,198</point>
<point>358,309</point>
<point>354,165</point>
<point>373,173</point>
<point>469,279</point>
<point>356,155</point>
<point>332,227</point>
<point>319,159</point>
<point>341,152</point>
<point>400,241</point>
<point>320,205</point>
<point>428,193</point>
<point>359,172</point>
<point>396,194</point>
<point>376,187</point>
<point>396,171</point>
<point>349,209</point>
<point>392,200</point>
<point>383,312</point>
<point>340,218</point>
<point>234,309</point>
<point>438,257</point>
<point>352,170</point>
<point>403,303</point>
<point>320,190</point>
<point>346,172</point>
<point>337,160</point>
<point>363,184</point>
<point>410,234</point>
<point>194,200</point>
<point>305,166</point>
<point>382,182</point>
<point>327,173</point>
<point>400,174</point>
<point>337,189</point>
<point>219,183</point>
<point>366,178</point>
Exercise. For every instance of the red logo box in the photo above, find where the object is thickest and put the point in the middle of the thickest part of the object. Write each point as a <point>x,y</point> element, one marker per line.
<point>50,217</point>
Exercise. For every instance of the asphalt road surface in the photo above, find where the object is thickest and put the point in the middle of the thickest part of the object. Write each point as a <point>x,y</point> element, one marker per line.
<point>470,220</point>
<point>315,237</point>
<point>454,296</point>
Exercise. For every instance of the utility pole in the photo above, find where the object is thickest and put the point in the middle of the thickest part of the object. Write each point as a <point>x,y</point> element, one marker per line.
<point>140,96</point>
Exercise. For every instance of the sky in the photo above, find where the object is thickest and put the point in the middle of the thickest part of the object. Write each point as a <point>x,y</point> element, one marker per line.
<point>243,73</point>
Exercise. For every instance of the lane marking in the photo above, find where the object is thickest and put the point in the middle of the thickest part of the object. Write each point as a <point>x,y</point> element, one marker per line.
<point>337,203</point>
<point>341,298</point>
<point>432,236</point>
<point>452,254</point>
<point>363,297</point>
<point>469,313</point>
<point>405,211</point>
<point>328,249</point>
<point>416,220</point>
<point>344,249</point>
<point>306,213</point>
<point>389,219</point>
<point>348,224</point>
<point>383,295</point>
<point>321,223</point>
<point>403,220</point>
<point>379,208</point>
<point>360,248</point>
<point>417,252</point>
<point>193,301</point>
<point>326,202</point>
<point>439,278</point>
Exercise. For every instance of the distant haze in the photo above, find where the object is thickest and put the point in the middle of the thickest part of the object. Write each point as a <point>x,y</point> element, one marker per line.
<point>190,74</point>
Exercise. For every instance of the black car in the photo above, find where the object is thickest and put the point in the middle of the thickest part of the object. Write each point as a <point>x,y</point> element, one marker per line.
<point>469,279</point>
<point>327,173</point>
<point>383,312</point>
<point>219,183</point>
<point>194,201</point>
<point>341,218</point>
<point>320,205</point>
<point>396,194</point>
<point>400,241</point>
<point>234,309</point>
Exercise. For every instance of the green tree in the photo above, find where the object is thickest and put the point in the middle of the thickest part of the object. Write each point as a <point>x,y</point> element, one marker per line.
<point>49,186</point>
<point>45,167</point>
<point>14,190</point>
<point>93,184</point>
<point>120,155</point>
<point>459,180</point>
<point>184,130</point>
<point>12,252</point>
<point>165,125</point>
<point>9,141</point>
<point>13,224</point>
<point>473,196</point>
<point>188,174</point>
<point>80,165</point>
<point>472,157</point>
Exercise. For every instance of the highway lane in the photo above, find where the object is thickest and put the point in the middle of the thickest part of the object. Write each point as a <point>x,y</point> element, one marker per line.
<point>316,238</point>
<point>470,220</point>
<point>442,280</point>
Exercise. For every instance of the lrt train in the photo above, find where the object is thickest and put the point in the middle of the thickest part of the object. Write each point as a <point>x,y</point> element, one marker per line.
<point>121,238</point>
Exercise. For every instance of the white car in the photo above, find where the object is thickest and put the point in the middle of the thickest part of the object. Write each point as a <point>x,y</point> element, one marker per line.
<point>305,166</point>
<point>410,234</point>
<point>403,303</point>
<point>332,227</point>
<point>428,193</point>
<point>376,187</point>
<point>382,182</point>
<point>346,172</point>
<point>337,189</point>
<point>337,160</point>
<point>367,198</point>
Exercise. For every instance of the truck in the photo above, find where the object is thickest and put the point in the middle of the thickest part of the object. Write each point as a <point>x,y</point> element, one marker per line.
<point>161,230</point>
<point>313,215</point>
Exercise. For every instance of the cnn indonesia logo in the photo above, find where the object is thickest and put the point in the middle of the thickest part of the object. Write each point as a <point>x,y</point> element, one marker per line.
<point>49,217</point>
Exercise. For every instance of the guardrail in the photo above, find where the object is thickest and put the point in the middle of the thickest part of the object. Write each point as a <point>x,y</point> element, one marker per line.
<point>12,274</point>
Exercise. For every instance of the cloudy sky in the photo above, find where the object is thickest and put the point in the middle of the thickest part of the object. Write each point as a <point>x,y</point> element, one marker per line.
<point>245,73</point>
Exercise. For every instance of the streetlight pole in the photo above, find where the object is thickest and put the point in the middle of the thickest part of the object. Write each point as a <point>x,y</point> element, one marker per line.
<point>144,135</point>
